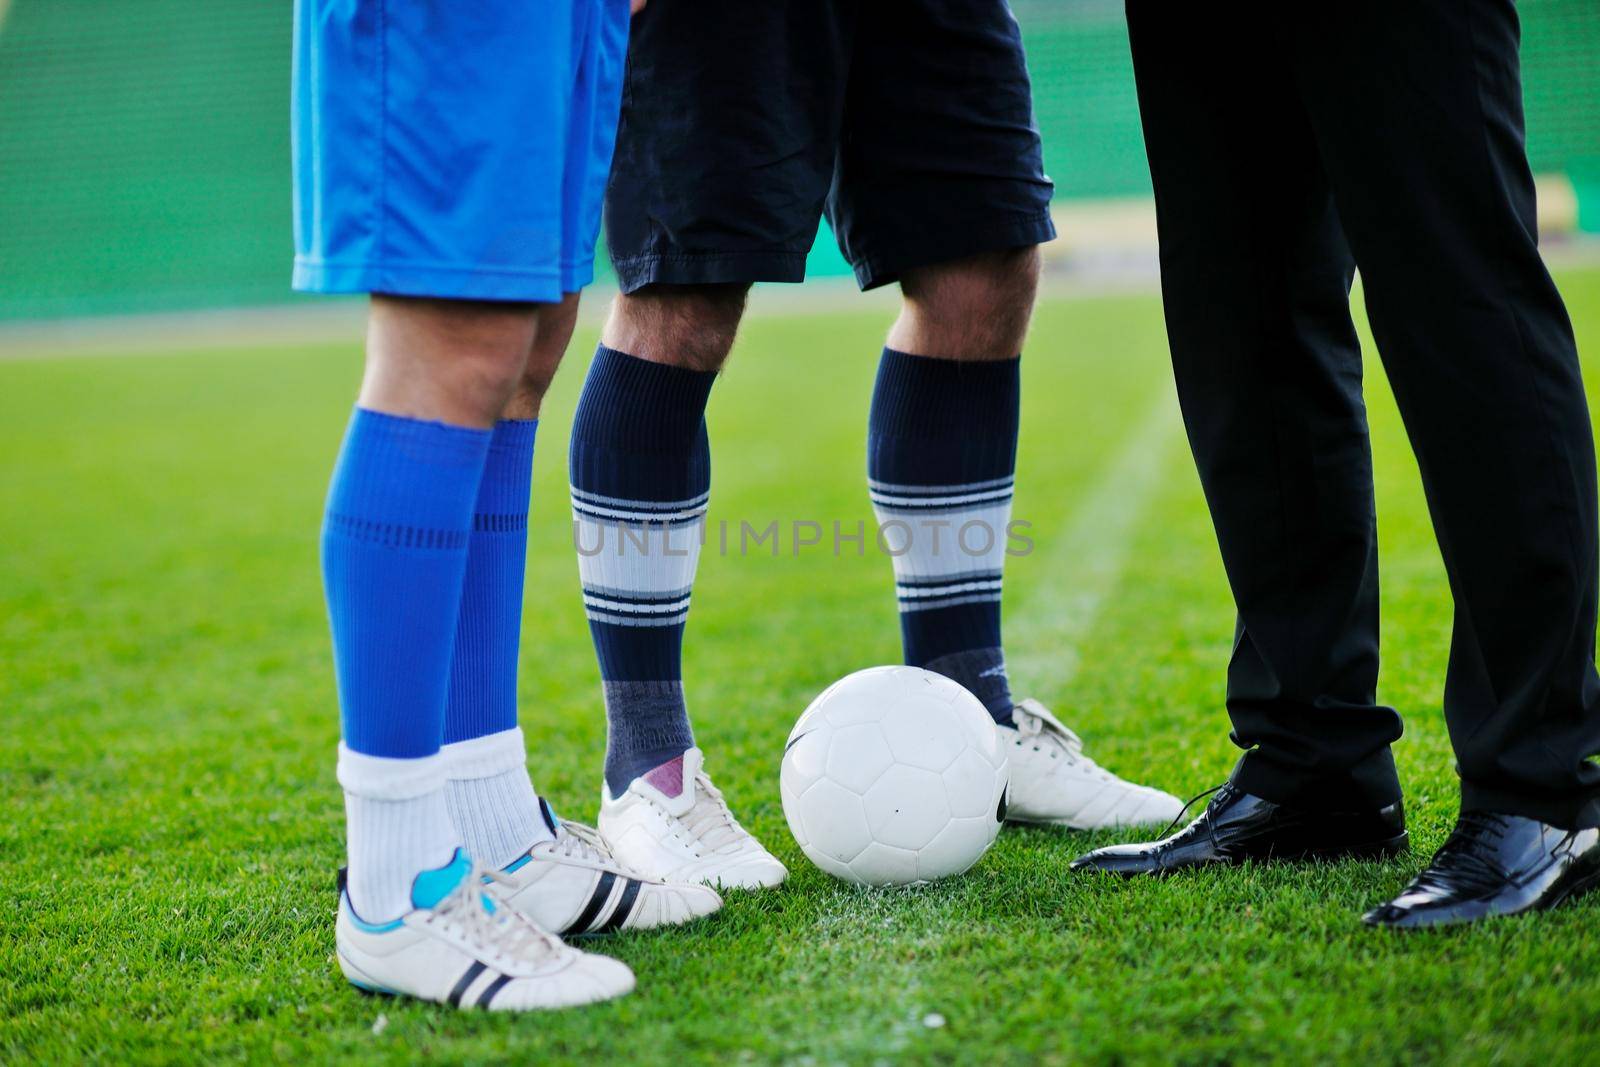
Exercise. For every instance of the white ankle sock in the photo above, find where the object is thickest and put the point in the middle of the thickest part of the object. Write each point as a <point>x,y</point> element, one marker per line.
<point>491,797</point>
<point>397,825</point>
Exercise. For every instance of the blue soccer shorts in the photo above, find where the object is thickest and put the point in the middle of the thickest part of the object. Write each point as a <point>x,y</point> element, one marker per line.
<point>453,149</point>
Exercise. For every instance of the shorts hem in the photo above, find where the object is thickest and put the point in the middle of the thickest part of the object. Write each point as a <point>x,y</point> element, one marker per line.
<point>709,268</point>
<point>448,283</point>
<point>953,241</point>
<point>576,276</point>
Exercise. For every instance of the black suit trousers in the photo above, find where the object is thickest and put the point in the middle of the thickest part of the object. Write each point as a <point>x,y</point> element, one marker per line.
<point>1291,144</point>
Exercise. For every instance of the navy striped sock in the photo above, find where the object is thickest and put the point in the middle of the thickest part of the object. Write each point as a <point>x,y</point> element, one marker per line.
<point>941,454</point>
<point>641,475</point>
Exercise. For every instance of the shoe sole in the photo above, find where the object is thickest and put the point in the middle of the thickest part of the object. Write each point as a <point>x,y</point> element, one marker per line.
<point>1082,827</point>
<point>1578,888</point>
<point>1585,882</point>
<point>1373,850</point>
<point>365,983</point>
<point>368,986</point>
<point>1370,850</point>
<point>754,886</point>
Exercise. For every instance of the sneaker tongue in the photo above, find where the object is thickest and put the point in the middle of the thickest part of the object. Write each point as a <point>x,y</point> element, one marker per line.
<point>430,887</point>
<point>672,783</point>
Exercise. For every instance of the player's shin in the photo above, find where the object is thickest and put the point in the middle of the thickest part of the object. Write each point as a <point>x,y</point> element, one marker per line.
<point>941,451</point>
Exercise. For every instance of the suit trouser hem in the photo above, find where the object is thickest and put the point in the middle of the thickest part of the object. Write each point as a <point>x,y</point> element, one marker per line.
<point>1368,786</point>
<point>1579,811</point>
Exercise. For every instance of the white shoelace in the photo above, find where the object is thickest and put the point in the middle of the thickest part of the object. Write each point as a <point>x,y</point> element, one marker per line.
<point>709,821</point>
<point>582,842</point>
<point>503,933</point>
<point>1035,723</point>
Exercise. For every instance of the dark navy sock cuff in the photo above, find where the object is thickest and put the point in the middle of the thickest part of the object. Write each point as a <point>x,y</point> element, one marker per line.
<point>943,421</point>
<point>635,404</point>
<point>918,396</point>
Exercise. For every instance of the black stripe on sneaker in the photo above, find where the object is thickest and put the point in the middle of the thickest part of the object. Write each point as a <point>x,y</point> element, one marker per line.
<point>620,914</point>
<point>494,987</point>
<point>467,979</point>
<point>591,909</point>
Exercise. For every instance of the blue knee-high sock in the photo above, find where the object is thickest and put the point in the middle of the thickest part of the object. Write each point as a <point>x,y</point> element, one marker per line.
<point>490,796</point>
<point>483,670</point>
<point>941,454</point>
<point>394,552</point>
<point>641,476</point>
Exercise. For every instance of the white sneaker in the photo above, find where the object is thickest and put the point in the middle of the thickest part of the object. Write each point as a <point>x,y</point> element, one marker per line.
<point>1053,781</point>
<point>574,885</point>
<point>463,945</point>
<point>672,825</point>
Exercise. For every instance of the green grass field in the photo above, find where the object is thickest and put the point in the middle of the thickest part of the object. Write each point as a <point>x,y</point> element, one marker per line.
<point>172,824</point>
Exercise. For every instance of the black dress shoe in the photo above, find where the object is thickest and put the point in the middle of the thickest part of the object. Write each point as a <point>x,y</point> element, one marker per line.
<point>1238,826</point>
<point>1496,865</point>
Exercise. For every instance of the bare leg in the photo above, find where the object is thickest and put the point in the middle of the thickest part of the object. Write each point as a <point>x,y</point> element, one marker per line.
<point>450,360</point>
<point>556,323</point>
<point>690,326</point>
<point>969,309</point>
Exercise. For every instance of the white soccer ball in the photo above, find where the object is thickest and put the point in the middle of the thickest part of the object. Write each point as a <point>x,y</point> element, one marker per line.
<point>894,776</point>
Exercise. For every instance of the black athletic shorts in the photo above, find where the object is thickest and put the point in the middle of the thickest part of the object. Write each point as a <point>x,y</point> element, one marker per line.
<point>910,122</point>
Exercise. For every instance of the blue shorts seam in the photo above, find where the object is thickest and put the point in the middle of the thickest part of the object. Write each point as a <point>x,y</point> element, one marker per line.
<point>380,202</point>
<point>403,264</point>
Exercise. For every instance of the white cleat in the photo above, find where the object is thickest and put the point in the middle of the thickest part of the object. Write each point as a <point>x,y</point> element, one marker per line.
<point>572,884</point>
<point>672,825</point>
<point>1054,781</point>
<point>465,946</point>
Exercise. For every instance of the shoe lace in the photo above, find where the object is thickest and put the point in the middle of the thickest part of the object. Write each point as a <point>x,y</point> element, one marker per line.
<point>1035,722</point>
<point>1191,802</point>
<point>710,822</point>
<point>490,925</point>
<point>584,842</point>
<point>1467,858</point>
<point>580,842</point>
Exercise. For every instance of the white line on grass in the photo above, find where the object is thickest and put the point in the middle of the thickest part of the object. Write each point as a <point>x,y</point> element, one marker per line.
<point>1079,568</point>
<point>1086,558</point>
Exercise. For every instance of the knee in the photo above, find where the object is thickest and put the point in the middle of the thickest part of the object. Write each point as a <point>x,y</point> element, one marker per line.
<point>976,308</point>
<point>550,340</point>
<point>682,325</point>
<point>450,359</point>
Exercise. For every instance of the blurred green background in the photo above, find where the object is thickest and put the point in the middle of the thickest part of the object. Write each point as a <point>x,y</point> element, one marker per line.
<point>144,144</point>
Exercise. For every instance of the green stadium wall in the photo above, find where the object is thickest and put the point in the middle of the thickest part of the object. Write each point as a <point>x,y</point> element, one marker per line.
<point>144,152</point>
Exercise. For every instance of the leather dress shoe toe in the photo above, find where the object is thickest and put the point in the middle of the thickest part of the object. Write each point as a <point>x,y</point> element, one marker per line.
<point>1495,865</point>
<point>1239,826</point>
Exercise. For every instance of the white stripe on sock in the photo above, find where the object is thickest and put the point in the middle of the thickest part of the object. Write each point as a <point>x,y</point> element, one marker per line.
<point>932,547</point>
<point>647,561</point>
